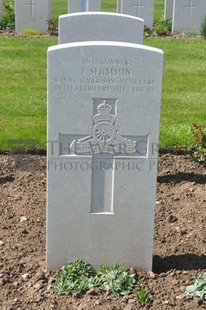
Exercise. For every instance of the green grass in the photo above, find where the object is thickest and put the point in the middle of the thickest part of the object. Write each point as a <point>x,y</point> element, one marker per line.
<point>184,90</point>
<point>23,89</point>
<point>23,86</point>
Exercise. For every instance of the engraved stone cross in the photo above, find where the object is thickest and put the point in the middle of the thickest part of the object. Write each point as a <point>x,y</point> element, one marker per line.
<point>31,4</point>
<point>105,144</point>
<point>138,5</point>
<point>190,6</point>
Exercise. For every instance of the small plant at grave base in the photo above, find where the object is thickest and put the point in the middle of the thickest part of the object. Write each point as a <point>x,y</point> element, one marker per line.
<point>198,148</point>
<point>7,22</point>
<point>198,288</point>
<point>115,279</point>
<point>78,277</point>
<point>142,296</point>
<point>203,29</point>
<point>31,32</point>
<point>73,278</point>
<point>147,32</point>
<point>52,27</point>
<point>162,27</point>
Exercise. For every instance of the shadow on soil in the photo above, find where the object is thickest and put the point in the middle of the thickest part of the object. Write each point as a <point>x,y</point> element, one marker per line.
<point>181,177</point>
<point>6,180</point>
<point>179,262</point>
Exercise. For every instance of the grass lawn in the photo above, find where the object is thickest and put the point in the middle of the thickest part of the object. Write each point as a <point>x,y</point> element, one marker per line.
<point>184,89</point>
<point>23,86</point>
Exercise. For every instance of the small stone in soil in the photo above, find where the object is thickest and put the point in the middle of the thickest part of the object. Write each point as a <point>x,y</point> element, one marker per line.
<point>166,302</point>
<point>97,302</point>
<point>151,275</point>
<point>38,286</point>
<point>15,284</point>
<point>23,219</point>
<point>131,301</point>
<point>1,243</point>
<point>25,276</point>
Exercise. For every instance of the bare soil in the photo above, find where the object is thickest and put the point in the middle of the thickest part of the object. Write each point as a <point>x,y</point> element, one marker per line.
<point>179,240</point>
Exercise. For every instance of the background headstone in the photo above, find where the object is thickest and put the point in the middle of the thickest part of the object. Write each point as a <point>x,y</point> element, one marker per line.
<point>188,15</point>
<point>139,8</point>
<point>1,8</point>
<point>32,14</point>
<point>168,9</point>
<point>118,6</point>
<point>76,6</point>
<point>103,127</point>
<point>79,27</point>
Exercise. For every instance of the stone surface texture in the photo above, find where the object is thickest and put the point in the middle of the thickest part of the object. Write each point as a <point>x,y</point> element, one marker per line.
<point>32,14</point>
<point>118,6</point>
<point>108,27</point>
<point>1,8</point>
<point>84,6</point>
<point>139,8</point>
<point>168,9</point>
<point>188,15</point>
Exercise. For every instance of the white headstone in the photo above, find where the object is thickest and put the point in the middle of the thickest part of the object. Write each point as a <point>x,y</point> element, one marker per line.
<point>118,6</point>
<point>32,14</point>
<point>103,128</point>
<point>1,8</point>
<point>84,6</point>
<point>168,9</point>
<point>188,15</point>
<point>79,27</point>
<point>139,8</point>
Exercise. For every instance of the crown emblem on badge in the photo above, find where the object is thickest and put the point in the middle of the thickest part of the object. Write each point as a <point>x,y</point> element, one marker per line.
<point>104,108</point>
<point>104,113</point>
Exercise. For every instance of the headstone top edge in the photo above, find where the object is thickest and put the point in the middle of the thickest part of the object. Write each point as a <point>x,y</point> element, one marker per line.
<point>99,13</point>
<point>104,43</point>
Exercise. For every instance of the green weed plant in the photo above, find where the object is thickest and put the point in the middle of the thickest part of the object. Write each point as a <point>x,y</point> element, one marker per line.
<point>142,296</point>
<point>31,32</point>
<point>78,277</point>
<point>115,279</point>
<point>75,277</point>
<point>203,29</point>
<point>7,22</point>
<point>198,148</point>
<point>162,27</point>
<point>197,288</point>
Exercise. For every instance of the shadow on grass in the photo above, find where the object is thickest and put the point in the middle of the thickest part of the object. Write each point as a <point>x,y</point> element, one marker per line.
<point>179,262</point>
<point>182,176</point>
